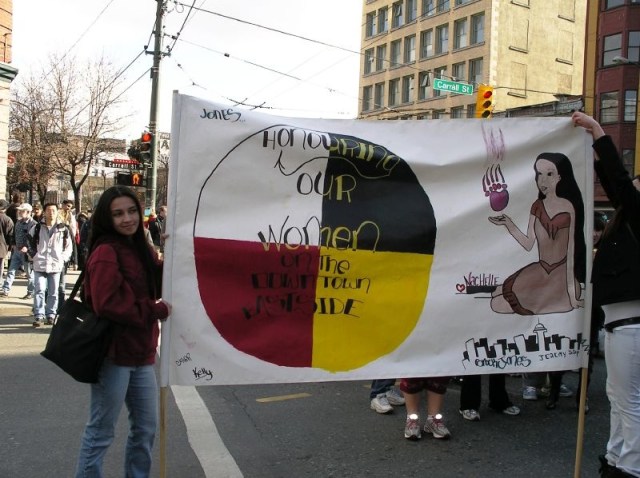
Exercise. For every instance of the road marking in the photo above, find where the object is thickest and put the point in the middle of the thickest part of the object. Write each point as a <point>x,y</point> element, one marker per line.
<point>205,441</point>
<point>280,398</point>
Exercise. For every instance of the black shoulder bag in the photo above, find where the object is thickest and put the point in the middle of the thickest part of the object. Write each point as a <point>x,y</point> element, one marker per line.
<point>79,339</point>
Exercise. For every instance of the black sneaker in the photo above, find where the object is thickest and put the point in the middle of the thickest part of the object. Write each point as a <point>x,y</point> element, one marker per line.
<point>27,297</point>
<point>50,320</point>
<point>37,323</point>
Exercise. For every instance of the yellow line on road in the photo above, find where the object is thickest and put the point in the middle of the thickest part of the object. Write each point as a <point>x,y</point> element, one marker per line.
<point>283,397</point>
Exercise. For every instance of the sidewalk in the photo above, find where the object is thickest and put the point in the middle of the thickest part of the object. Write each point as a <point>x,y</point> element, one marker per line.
<point>15,306</point>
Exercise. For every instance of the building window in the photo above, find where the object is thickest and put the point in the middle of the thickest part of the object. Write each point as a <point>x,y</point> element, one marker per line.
<point>381,57</point>
<point>475,71</point>
<point>442,39</point>
<point>424,86</point>
<point>457,112</point>
<point>410,49</point>
<point>367,96</point>
<point>428,8</point>
<point>439,73</point>
<point>394,91</point>
<point>628,161</point>
<point>437,114</point>
<point>457,71</point>
<point>460,30</point>
<point>396,15</point>
<point>383,20</point>
<point>412,10</point>
<point>477,28</point>
<point>609,107</point>
<point>378,95</point>
<point>471,110</point>
<point>443,6</point>
<point>368,61</point>
<point>614,3</point>
<point>461,2</point>
<point>371,24</point>
<point>396,47</point>
<point>426,44</point>
<point>633,49</point>
<point>612,48</point>
<point>407,89</point>
<point>630,105</point>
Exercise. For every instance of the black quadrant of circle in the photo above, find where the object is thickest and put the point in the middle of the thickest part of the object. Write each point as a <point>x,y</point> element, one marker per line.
<point>393,199</point>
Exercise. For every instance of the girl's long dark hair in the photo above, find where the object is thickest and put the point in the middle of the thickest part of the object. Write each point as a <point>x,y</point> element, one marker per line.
<point>102,227</point>
<point>567,188</point>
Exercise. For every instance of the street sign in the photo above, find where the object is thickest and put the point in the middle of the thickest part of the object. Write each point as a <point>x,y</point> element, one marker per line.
<point>452,87</point>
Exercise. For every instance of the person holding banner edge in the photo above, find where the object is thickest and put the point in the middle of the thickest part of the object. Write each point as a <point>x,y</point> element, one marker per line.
<point>616,289</point>
<point>122,284</point>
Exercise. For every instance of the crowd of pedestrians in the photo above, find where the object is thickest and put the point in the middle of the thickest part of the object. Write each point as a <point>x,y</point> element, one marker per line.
<point>41,242</point>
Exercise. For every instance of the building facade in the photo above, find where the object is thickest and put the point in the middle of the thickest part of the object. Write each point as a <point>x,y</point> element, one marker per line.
<point>531,52</point>
<point>612,74</point>
<point>7,74</point>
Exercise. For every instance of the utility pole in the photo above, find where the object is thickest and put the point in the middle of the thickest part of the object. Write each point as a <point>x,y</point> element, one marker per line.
<point>152,173</point>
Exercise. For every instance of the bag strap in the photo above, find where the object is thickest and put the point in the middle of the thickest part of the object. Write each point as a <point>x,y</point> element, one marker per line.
<point>77,286</point>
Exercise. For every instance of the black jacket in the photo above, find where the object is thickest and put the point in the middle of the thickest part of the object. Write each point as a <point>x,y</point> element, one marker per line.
<point>616,267</point>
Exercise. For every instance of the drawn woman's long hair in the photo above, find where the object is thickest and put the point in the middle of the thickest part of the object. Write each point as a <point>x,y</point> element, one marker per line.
<point>568,189</point>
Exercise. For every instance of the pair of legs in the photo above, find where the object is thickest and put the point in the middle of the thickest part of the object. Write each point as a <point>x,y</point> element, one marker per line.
<point>537,380</point>
<point>46,283</point>
<point>117,385</point>
<point>18,259</point>
<point>381,386</point>
<point>622,351</point>
<point>471,393</point>
<point>435,387</point>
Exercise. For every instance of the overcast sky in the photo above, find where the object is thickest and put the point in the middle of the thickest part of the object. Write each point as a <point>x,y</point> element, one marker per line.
<point>288,75</point>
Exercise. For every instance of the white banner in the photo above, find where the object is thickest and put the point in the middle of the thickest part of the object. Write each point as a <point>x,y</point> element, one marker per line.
<point>311,250</point>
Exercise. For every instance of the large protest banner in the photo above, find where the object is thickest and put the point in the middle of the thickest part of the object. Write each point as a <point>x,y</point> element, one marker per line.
<point>309,250</point>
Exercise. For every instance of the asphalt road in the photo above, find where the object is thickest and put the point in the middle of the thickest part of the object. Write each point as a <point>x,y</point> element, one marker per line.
<point>288,430</point>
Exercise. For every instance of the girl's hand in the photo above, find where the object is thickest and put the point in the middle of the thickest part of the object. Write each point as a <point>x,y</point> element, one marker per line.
<point>588,123</point>
<point>167,305</point>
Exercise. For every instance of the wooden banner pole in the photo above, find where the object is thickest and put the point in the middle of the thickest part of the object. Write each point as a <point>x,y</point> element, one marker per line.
<point>584,374</point>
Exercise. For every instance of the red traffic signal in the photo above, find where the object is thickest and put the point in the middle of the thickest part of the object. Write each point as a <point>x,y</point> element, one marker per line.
<point>484,101</point>
<point>146,143</point>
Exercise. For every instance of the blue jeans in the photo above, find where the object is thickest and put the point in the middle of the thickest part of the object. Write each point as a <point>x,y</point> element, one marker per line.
<point>46,282</point>
<point>18,259</point>
<point>381,386</point>
<point>137,387</point>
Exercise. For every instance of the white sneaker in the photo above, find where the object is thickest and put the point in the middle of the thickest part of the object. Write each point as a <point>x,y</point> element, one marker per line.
<point>512,410</point>
<point>395,397</point>
<point>412,428</point>
<point>529,393</point>
<point>435,425</point>
<point>470,414</point>
<point>380,404</point>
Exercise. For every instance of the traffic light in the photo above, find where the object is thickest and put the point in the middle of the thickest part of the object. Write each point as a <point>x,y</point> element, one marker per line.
<point>146,143</point>
<point>484,101</point>
<point>123,179</point>
<point>135,179</point>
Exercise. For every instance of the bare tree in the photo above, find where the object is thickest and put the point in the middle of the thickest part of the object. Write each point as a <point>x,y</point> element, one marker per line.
<point>75,107</point>
<point>31,124</point>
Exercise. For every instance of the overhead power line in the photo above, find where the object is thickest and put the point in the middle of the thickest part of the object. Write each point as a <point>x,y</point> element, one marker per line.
<point>264,27</point>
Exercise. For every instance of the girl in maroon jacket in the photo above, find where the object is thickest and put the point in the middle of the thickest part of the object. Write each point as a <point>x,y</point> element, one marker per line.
<point>122,284</point>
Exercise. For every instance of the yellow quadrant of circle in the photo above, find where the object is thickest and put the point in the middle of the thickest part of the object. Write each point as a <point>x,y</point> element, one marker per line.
<point>377,299</point>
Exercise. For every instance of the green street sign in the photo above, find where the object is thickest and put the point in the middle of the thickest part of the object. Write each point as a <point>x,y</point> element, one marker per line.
<point>452,87</point>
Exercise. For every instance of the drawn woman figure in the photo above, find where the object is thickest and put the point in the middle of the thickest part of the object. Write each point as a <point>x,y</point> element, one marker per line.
<point>551,285</point>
